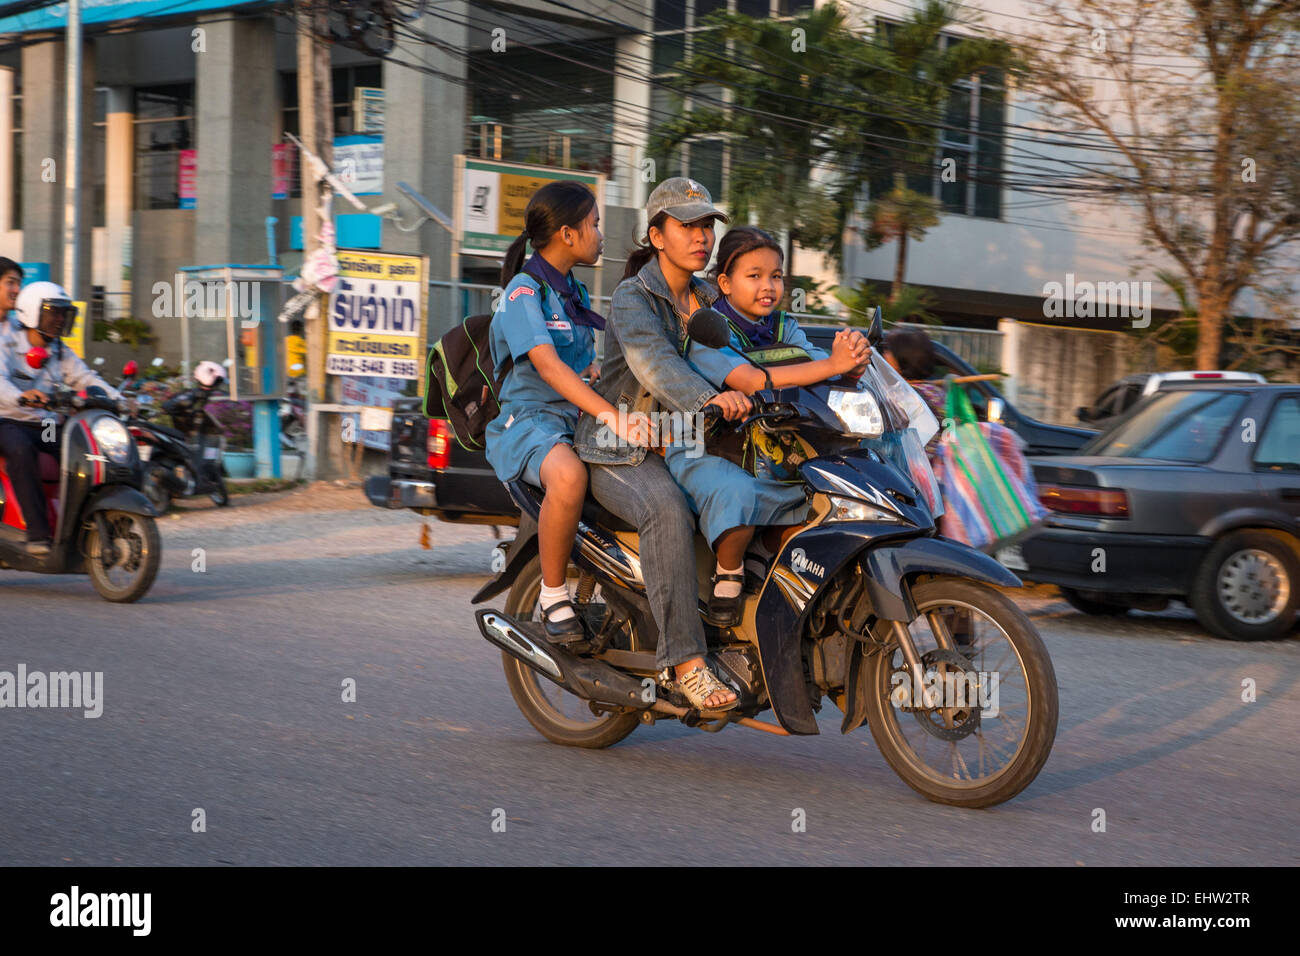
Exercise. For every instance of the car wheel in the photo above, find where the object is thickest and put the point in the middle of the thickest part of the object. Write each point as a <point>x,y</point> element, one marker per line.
<point>1247,587</point>
<point>1092,602</point>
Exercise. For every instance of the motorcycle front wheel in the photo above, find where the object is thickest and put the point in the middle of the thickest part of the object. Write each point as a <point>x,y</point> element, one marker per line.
<point>138,552</point>
<point>989,727</point>
<point>556,714</point>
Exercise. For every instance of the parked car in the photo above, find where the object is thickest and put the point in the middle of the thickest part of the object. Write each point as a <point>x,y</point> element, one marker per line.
<point>1194,495</point>
<point>430,473</point>
<point>1114,401</point>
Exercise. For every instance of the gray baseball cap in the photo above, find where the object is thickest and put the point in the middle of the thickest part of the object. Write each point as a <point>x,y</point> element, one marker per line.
<point>686,200</point>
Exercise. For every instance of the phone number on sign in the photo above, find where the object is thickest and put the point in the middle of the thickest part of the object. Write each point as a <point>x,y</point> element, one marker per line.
<point>390,368</point>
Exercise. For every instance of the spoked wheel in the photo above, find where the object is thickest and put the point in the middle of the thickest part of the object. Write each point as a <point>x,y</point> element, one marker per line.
<point>982,724</point>
<point>134,563</point>
<point>558,715</point>
<point>154,487</point>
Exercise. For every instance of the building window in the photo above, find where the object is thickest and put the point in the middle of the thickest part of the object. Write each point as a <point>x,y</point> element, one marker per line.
<point>344,81</point>
<point>516,114</point>
<point>164,127</point>
<point>969,144</point>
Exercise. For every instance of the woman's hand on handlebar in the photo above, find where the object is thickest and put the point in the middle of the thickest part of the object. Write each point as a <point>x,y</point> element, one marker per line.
<point>33,396</point>
<point>733,405</point>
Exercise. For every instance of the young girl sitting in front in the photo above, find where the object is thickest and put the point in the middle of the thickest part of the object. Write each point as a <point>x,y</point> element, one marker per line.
<point>544,325</point>
<point>730,500</point>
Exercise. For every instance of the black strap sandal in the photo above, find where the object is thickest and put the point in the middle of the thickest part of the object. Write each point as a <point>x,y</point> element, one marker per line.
<point>725,611</point>
<point>568,631</point>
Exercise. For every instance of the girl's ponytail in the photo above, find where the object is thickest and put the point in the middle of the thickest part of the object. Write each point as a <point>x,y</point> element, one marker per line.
<point>514,260</point>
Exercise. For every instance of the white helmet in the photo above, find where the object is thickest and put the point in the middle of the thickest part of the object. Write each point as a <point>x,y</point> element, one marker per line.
<point>209,374</point>
<point>46,307</point>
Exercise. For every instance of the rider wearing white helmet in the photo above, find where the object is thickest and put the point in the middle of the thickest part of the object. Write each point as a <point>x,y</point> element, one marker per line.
<point>44,312</point>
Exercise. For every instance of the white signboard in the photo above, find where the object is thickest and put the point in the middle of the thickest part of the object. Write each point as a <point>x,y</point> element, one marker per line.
<point>359,163</point>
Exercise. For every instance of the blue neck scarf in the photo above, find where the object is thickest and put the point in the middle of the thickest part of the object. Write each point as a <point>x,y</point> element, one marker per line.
<point>566,287</point>
<point>760,334</point>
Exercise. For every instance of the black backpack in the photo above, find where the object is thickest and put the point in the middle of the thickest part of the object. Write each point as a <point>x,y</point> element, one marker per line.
<point>460,385</point>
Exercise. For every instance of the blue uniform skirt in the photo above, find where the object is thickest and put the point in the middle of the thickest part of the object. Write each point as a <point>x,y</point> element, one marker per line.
<point>521,436</point>
<point>725,496</point>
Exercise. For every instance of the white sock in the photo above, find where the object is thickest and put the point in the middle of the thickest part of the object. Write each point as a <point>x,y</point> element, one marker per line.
<point>727,589</point>
<point>555,596</point>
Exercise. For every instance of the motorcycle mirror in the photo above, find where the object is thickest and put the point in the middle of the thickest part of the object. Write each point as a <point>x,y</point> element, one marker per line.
<point>94,391</point>
<point>876,332</point>
<point>37,357</point>
<point>130,368</point>
<point>709,327</point>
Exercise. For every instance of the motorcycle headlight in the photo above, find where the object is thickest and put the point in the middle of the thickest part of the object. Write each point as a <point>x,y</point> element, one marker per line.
<point>113,439</point>
<point>859,411</point>
<point>851,509</point>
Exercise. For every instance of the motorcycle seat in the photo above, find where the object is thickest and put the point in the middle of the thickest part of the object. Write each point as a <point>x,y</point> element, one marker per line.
<point>593,512</point>
<point>167,431</point>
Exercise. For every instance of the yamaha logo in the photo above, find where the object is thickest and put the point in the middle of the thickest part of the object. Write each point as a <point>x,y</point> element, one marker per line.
<point>799,562</point>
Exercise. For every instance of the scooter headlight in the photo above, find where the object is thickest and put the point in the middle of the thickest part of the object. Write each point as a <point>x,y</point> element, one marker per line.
<point>851,509</point>
<point>859,411</point>
<point>113,439</point>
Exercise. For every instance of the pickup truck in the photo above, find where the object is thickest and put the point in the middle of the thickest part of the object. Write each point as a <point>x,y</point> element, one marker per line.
<point>431,474</point>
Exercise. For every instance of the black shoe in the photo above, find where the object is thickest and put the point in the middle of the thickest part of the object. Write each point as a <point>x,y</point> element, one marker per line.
<point>562,632</point>
<point>39,548</point>
<point>725,611</point>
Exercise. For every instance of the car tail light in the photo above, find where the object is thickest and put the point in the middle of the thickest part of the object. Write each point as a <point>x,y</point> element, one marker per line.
<point>1103,502</point>
<point>1207,375</point>
<point>439,443</point>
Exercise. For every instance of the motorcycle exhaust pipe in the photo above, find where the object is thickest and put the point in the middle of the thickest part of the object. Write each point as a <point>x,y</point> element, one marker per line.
<point>588,679</point>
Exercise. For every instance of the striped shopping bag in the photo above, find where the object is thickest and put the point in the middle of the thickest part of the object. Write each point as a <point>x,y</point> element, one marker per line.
<point>989,491</point>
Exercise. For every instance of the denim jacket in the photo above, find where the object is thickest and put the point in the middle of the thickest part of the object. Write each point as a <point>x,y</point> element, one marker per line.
<point>643,368</point>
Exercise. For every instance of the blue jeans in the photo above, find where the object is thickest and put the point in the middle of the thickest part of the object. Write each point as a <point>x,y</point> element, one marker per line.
<point>646,496</point>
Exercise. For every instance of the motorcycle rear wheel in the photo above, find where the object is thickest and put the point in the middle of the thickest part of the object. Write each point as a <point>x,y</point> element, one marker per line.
<point>139,553</point>
<point>556,714</point>
<point>1011,648</point>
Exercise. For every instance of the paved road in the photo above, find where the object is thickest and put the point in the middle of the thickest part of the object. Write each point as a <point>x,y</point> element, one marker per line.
<point>222,691</point>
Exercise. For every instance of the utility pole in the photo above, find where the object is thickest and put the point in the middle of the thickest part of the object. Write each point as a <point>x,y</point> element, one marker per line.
<point>316,130</point>
<point>72,178</point>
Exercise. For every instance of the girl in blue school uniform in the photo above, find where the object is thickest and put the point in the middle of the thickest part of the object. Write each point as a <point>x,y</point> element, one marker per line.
<point>730,500</point>
<point>546,328</point>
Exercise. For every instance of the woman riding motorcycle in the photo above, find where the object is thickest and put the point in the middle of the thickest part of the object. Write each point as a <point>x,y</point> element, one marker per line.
<point>643,370</point>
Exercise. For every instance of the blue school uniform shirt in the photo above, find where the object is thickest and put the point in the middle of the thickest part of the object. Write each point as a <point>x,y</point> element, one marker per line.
<point>524,320</point>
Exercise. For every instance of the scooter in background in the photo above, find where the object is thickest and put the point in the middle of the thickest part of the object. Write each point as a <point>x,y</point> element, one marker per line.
<point>185,460</point>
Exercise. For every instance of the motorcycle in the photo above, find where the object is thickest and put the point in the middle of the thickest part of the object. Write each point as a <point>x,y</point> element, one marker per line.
<point>103,525</point>
<point>865,605</point>
<point>183,461</point>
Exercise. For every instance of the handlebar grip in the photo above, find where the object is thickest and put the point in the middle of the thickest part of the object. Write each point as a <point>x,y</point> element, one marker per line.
<point>711,413</point>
